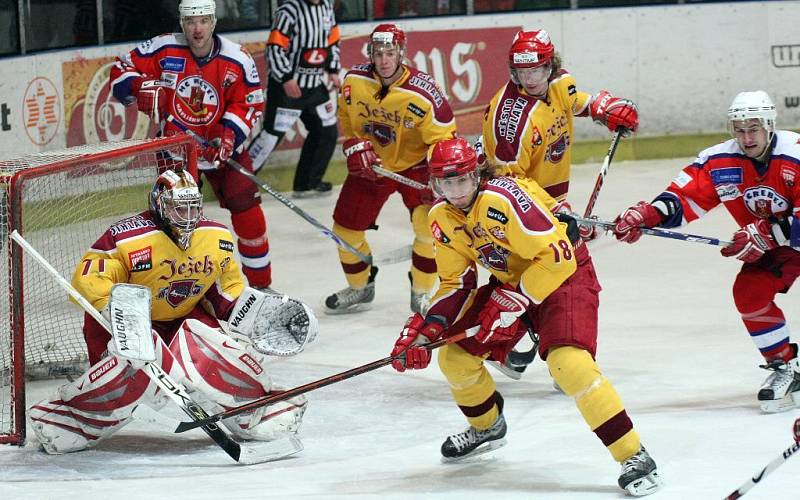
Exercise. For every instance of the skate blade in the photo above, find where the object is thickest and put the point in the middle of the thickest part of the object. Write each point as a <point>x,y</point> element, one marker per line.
<point>349,310</point>
<point>644,485</point>
<point>508,372</point>
<point>480,450</point>
<point>786,403</point>
<point>256,452</point>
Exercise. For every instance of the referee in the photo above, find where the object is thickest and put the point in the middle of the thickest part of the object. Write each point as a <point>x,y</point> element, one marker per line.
<point>302,46</point>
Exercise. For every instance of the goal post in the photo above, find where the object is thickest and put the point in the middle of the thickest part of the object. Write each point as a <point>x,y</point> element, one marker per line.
<point>61,202</point>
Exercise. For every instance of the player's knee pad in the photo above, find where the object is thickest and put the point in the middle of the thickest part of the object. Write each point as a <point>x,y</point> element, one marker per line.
<point>753,290</point>
<point>460,368</point>
<point>573,369</point>
<point>218,365</point>
<point>82,413</point>
<point>249,224</point>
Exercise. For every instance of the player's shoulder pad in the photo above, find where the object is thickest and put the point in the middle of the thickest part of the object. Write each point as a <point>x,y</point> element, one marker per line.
<point>238,55</point>
<point>729,148</point>
<point>425,86</point>
<point>160,42</point>
<point>360,70</point>
<point>133,226</point>
<point>504,198</point>
<point>788,144</point>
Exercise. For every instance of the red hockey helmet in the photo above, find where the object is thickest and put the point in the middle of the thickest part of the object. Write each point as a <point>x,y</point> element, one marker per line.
<point>387,34</point>
<point>453,169</point>
<point>530,49</point>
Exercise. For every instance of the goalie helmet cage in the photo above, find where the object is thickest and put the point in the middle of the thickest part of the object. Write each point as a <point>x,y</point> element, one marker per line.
<point>61,202</point>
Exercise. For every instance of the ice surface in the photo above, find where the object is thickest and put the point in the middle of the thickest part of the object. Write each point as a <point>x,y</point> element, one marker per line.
<point>670,341</point>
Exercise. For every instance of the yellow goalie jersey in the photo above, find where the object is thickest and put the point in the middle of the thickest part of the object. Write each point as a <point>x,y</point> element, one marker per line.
<point>531,138</point>
<point>135,250</point>
<point>510,232</point>
<point>412,116</point>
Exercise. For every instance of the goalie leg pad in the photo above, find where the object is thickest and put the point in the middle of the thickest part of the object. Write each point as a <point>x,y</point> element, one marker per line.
<point>82,413</point>
<point>229,375</point>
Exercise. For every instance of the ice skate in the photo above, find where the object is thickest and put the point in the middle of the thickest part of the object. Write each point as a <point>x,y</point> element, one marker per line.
<point>473,442</point>
<point>781,391</point>
<point>639,476</point>
<point>350,300</point>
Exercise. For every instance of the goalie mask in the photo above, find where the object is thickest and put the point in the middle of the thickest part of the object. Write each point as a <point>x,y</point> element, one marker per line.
<point>177,205</point>
<point>747,106</point>
<point>453,169</point>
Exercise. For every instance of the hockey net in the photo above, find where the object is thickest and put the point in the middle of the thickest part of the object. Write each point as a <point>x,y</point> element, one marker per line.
<point>61,202</point>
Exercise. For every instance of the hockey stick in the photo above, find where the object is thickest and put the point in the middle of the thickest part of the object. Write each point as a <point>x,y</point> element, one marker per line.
<point>774,464</point>
<point>657,231</point>
<point>284,395</point>
<point>174,390</point>
<point>367,259</point>
<point>399,178</point>
<point>612,148</point>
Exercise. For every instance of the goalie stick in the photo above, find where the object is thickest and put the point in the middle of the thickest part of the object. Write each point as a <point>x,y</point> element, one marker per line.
<point>758,477</point>
<point>367,259</point>
<point>657,231</point>
<point>612,148</point>
<point>317,384</point>
<point>173,389</point>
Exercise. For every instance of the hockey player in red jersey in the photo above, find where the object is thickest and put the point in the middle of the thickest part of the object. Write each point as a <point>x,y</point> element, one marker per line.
<point>211,332</point>
<point>755,177</point>
<point>505,225</point>
<point>211,86</point>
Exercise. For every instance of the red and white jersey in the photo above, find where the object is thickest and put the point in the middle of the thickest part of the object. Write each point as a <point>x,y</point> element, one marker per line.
<point>223,87</point>
<point>722,174</point>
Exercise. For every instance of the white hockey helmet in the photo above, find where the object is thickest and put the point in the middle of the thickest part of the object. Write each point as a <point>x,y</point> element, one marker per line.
<point>753,105</point>
<point>176,202</point>
<point>189,8</point>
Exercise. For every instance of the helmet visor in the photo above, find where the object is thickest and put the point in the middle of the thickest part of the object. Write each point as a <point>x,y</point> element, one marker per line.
<point>458,190</point>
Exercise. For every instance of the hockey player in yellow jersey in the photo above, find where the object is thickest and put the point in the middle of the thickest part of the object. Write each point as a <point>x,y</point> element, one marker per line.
<point>528,125</point>
<point>390,115</point>
<point>506,226</point>
<point>210,331</point>
<point>528,132</point>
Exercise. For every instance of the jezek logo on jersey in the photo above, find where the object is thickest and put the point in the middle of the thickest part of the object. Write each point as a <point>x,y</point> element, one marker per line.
<point>763,201</point>
<point>196,101</point>
<point>493,257</point>
<point>178,291</point>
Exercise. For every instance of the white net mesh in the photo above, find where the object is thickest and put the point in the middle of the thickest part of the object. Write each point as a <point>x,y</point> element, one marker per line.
<point>61,202</point>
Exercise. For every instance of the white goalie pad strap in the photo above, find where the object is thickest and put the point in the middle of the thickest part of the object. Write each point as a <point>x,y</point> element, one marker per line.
<point>129,310</point>
<point>276,324</point>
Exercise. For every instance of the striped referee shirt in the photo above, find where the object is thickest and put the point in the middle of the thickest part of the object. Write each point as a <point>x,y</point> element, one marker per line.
<point>303,43</point>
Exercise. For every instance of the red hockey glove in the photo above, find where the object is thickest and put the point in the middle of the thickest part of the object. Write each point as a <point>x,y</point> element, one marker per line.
<point>629,222</point>
<point>360,158</point>
<point>220,145</point>
<point>797,430</point>
<point>751,241</point>
<point>408,347</point>
<point>151,98</point>
<point>500,315</point>
<point>615,112</point>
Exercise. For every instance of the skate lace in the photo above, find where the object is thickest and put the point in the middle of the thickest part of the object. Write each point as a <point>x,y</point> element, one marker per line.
<point>464,439</point>
<point>781,375</point>
<point>350,295</point>
<point>636,462</point>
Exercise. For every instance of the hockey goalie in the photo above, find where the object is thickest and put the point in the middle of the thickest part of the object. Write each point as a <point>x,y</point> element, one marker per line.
<point>210,331</point>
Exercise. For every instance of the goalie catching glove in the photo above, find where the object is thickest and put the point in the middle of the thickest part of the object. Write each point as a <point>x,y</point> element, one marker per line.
<point>409,350</point>
<point>360,158</point>
<point>275,324</point>
<point>614,112</point>
<point>501,315</point>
